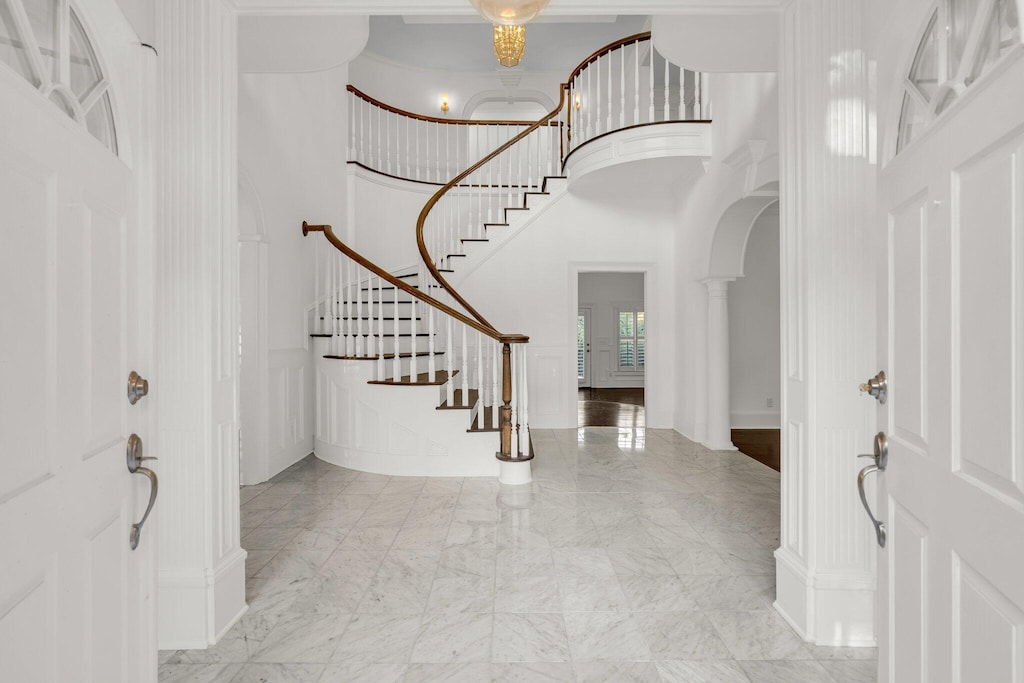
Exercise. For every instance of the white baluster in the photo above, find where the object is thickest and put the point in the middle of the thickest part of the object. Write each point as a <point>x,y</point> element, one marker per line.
<point>525,394</point>
<point>479,380</point>
<point>335,323</point>
<point>650,51</point>
<point>666,89</point>
<point>587,106</point>
<point>495,382</point>
<point>381,367</point>
<point>386,117</point>
<point>447,152</point>
<point>515,401</point>
<point>509,152</point>
<point>413,369</point>
<point>608,59</point>
<point>636,82</point>
<point>431,344</point>
<point>371,338</point>
<point>416,134</point>
<point>351,347</point>
<point>351,127</point>
<point>622,87</point>
<point>465,366</point>
<point>363,340</point>
<point>317,320</point>
<point>449,364</point>
<point>396,361</point>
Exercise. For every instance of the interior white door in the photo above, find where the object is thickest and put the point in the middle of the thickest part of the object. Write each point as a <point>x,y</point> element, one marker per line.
<point>75,599</point>
<point>583,347</point>
<point>951,593</point>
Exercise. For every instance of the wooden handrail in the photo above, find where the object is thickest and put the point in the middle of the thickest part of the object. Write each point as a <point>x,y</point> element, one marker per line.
<point>422,220</point>
<point>635,38</point>
<point>409,289</point>
<point>434,119</point>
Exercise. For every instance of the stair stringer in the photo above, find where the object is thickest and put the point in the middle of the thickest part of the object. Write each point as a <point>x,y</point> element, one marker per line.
<point>393,430</point>
<point>518,220</point>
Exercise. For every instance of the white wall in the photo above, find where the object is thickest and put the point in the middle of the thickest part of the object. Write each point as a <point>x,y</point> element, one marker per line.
<point>745,109</point>
<point>754,330</point>
<point>604,294</point>
<point>419,90</point>
<point>292,151</point>
<point>530,286</point>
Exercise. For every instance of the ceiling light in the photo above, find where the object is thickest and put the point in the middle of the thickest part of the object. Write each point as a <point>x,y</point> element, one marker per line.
<point>509,12</point>
<point>509,44</point>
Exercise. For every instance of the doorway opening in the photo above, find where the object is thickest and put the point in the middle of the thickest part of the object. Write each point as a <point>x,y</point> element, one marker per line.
<point>611,327</point>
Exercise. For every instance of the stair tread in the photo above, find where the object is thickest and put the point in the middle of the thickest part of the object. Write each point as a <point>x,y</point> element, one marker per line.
<point>387,356</point>
<point>458,403</point>
<point>422,379</point>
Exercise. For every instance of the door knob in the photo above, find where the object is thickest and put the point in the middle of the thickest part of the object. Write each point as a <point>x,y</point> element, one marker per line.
<point>133,453</point>
<point>877,387</point>
<point>137,387</point>
<point>881,458</point>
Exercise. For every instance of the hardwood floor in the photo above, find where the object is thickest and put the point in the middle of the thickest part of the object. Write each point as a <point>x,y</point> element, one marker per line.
<point>762,445</point>
<point>611,407</point>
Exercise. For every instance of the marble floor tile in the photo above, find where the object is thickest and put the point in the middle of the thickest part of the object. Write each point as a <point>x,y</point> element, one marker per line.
<point>785,672</point>
<point>617,672</point>
<point>636,554</point>
<point>278,673</point>
<point>591,594</point>
<point>758,635</point>
<point>454,638</point>
<point>302,637</point>
<point>459,594</point>
<point>605,636</point>
<point>529,638</point>
<point>467,672</point>
<point>377,638</point>
<point>527,594</point>
<point>656,594</point>
<point>676,671</point>
<point>681,635</point>
<point>852,671</point>
<point>198,673</point>
<point>363,672</point>
<point>532,672</point>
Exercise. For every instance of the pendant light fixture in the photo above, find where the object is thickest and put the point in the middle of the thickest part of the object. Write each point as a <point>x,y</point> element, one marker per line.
<point>508,17</point>
<point>509,44</point>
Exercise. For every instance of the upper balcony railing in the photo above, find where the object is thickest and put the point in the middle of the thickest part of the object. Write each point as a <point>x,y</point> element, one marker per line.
<point>624,84</point>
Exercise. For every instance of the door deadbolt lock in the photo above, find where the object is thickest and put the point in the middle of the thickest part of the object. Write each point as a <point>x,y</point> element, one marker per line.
<point>137,387</point>
<point>877,387</point>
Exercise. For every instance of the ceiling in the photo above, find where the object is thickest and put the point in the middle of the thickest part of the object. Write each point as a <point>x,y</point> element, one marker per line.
<point>466,44</point>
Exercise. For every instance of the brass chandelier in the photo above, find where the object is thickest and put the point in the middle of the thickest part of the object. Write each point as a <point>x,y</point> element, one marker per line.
<point>509,44</point>
<point>509,17</point>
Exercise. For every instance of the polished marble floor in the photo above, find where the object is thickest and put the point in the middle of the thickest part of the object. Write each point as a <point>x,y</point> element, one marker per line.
<point>636,555</point>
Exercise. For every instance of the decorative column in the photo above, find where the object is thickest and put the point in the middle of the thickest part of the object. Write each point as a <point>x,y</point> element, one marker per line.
<point>719,436</point>
<point>826,562</point>
<point>201,567</point>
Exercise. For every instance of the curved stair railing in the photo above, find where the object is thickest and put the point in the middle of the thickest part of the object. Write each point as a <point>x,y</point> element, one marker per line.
<point>367,313</point>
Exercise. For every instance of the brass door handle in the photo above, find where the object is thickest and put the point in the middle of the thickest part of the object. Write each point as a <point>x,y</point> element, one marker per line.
<point>134,457</point>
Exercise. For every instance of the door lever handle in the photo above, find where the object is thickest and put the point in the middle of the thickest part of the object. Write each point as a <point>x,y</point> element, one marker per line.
<point>133,537</point>
<point>880,535</point>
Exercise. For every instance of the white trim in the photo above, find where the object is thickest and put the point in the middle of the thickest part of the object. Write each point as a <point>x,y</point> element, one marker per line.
<point>462,8</point>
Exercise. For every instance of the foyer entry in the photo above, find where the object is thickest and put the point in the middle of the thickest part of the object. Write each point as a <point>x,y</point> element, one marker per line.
<point>611,349</point>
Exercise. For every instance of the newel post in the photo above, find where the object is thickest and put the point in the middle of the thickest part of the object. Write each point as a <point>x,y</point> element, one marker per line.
<point>505,412</point>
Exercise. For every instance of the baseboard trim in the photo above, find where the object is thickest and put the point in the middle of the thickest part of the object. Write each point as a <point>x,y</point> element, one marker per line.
<point>196,607</point>
<point>835,609</point>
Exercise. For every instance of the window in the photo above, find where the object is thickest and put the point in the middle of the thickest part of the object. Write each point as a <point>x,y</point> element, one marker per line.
<point>631,341</point>
<point>44,42</point>
<point>581,339</point>
<point>962,41</point>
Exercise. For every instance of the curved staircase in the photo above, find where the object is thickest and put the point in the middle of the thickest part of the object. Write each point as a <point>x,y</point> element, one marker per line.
<point>411,378</point>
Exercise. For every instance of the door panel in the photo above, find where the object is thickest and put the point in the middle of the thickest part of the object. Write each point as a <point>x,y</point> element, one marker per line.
<point>72,602</point>
<point>953,331</point>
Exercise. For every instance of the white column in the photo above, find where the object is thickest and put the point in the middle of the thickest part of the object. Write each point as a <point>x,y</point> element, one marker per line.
<point>719,436</point>
<point>826,562</point>
<point>201,570</point>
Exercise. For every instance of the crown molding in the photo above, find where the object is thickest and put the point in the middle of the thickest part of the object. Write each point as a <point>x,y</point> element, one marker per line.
<point>464,8</point>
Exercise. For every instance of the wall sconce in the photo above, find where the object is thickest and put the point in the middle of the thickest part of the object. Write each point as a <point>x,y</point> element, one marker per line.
<point>444,103</point>
<point>577,102</point>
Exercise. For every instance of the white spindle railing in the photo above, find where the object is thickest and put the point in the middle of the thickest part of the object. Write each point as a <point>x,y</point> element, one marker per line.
<point>354,304</point>
<point>629,83</point>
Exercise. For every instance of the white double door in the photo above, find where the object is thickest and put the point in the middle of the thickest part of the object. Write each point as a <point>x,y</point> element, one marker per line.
<point>76,602</point>
<point>951,577</point>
